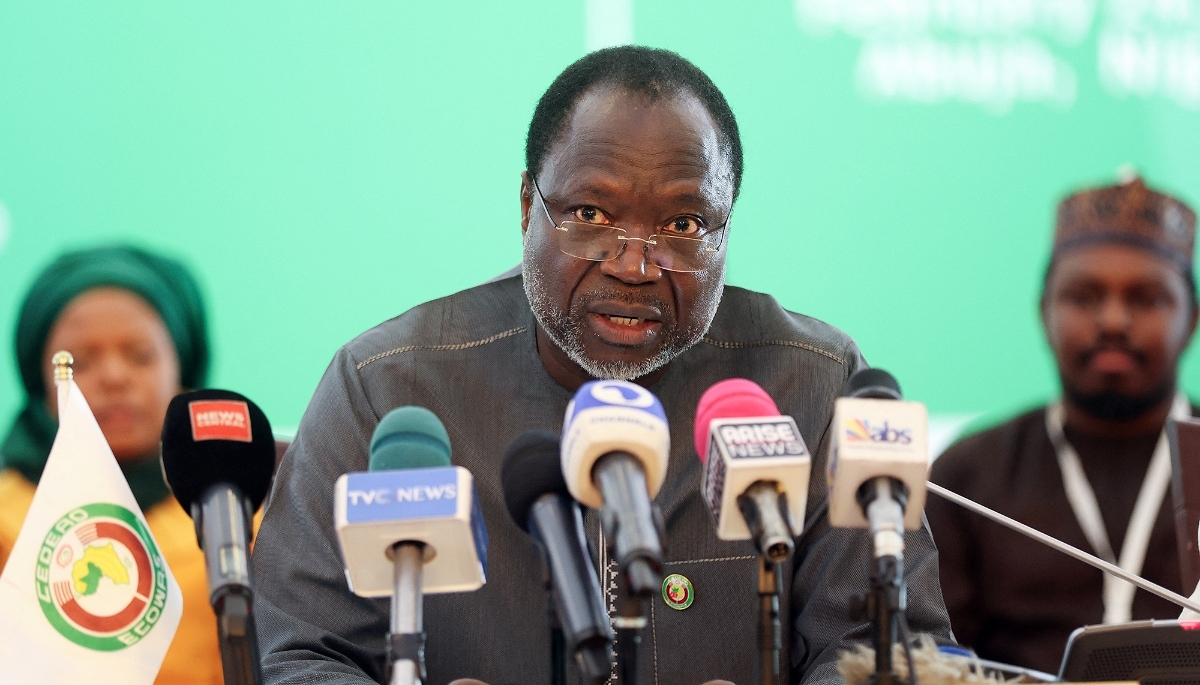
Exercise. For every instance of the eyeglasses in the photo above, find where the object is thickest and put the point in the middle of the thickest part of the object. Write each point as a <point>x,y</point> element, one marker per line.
<point>600,243</point>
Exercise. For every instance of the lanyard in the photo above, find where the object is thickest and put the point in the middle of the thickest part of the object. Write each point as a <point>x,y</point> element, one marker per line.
<point>1118,594</point>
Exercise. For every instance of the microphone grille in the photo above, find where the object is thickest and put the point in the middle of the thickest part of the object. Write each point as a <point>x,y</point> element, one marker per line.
<point>216,436</point>
<point>729,399</point>
<point>409,438</point>
<point>532,467</point>
<point>873,384</point>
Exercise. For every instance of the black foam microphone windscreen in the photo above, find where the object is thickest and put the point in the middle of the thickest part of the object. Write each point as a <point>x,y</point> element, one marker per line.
<point>217,436</point>
<point>532,467</point>
<point>872,383</point>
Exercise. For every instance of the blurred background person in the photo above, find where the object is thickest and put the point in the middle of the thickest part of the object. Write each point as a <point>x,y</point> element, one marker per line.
<point>135,323</point>
<point>1119,308</point>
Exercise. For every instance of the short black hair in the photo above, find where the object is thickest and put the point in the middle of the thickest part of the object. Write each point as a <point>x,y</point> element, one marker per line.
<point>651,72</point>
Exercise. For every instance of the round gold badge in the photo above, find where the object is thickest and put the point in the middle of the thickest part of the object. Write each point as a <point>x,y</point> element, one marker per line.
<point>677,591</point>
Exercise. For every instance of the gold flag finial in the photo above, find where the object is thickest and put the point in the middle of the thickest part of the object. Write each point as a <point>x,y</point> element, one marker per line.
<point>62,365</point>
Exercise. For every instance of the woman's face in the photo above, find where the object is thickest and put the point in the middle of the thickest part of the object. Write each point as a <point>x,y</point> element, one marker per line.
<point>125,364</point>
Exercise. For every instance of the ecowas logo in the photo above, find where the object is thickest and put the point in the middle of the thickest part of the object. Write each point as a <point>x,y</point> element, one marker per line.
<point>864,430</point>
<point>101,582</point>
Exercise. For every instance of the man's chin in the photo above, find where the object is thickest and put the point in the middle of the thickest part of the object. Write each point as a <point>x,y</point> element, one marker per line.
<point>1118,406</point>
<point>619,369</point>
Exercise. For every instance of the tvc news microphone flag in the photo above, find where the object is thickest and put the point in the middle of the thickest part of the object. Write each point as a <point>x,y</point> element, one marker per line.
<point>85,594</point>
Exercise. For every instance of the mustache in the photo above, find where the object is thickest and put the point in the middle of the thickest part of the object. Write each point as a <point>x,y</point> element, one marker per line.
<point>1139,356</point>
<point>625,297</point>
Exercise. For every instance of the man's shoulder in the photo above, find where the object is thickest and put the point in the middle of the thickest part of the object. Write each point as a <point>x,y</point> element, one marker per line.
<point>979,452</point>
<point>465,319</point>
<point>748,319</point>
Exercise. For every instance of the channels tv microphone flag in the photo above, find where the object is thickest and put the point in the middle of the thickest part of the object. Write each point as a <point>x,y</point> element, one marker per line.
<point>86,593</point>
<point>615,449</point>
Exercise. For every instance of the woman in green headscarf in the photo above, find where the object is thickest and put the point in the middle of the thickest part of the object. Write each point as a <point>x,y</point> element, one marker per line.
<point>134,322</point>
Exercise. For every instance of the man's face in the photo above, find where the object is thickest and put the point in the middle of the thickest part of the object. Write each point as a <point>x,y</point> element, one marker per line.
<point>1118,318</point>
<point>644,167</point>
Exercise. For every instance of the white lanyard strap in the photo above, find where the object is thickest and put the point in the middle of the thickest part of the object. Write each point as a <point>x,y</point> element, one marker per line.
<point>1118,594</point>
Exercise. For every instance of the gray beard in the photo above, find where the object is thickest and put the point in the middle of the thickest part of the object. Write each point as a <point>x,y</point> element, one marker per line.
<point>565,329</point>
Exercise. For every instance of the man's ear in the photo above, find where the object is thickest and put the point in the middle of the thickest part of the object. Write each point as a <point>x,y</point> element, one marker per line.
<point>526,201</point>
<point>1044,305</point>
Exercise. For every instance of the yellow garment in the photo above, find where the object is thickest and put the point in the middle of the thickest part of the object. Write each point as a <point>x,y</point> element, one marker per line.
<point>193,658</point>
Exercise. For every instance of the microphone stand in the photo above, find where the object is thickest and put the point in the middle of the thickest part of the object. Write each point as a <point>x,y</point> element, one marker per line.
<point>770,632</point>
<point>558,650</point>
<point>766,514</point>
<point>222,516</point>
<point>239,641</point>
<point>883,501</point>
<point>629,622</point>
<point>633,528</point>
<point>406,641</point>
<point>884,606</point>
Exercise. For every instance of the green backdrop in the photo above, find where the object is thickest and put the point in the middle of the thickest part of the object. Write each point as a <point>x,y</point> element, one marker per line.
<point>324,166</point>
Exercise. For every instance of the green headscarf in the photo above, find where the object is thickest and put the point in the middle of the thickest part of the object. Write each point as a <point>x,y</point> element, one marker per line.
<point>164,283</point>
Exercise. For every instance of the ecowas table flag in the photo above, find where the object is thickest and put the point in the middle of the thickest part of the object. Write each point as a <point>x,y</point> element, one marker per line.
<point>85,593</point>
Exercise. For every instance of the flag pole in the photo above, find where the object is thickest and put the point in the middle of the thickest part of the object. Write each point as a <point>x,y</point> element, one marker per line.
<point>63,374</point>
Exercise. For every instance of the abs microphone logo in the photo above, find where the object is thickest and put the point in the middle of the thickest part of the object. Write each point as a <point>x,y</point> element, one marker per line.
<point>863,430</point>
<point>100,580</point>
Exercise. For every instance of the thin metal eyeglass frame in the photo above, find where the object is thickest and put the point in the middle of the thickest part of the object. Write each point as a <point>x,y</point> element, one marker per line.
<point>625,237</point>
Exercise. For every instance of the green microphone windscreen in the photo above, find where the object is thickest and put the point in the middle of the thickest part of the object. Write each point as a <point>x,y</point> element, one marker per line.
<point>409,438</point>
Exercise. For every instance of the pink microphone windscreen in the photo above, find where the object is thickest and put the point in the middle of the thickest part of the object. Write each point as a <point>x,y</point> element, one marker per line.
<point>729,399</point>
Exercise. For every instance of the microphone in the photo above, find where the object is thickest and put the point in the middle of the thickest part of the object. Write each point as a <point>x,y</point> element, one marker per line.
<point>878,455</point>
<point>538,500</point>
<point>1190,604</point>
<point>614,458</point>
<point>411,525</point>
<point>877,470</point>
<point>218,457</point>
<point>756,467</point>
<point>754,458</point>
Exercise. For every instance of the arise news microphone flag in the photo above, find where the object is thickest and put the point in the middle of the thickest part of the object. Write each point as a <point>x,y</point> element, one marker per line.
<point>86,593</point>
